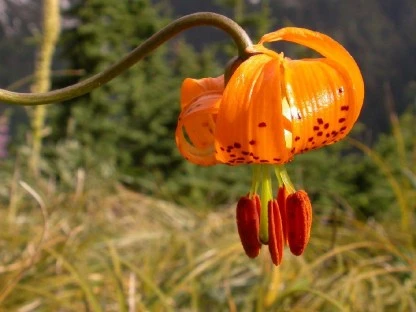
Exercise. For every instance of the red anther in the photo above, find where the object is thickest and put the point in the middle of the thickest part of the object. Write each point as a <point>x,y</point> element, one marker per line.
<point>276,240</point>
<point>281,200</point>
<point>248,225</point>
<point>299,221</point>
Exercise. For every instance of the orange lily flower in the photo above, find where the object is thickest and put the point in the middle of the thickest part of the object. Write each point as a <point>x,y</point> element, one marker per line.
<point>272,108</point>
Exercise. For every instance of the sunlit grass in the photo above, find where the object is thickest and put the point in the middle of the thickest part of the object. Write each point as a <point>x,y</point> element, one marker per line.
<point>123,251</point>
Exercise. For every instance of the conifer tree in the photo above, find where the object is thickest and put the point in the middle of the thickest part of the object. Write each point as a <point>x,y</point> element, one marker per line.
<point>126,128</point>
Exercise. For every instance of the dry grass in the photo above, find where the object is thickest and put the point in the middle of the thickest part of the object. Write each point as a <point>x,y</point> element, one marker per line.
<point>122,251</point>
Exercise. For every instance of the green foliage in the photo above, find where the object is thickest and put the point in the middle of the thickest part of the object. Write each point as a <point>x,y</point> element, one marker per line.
<point>125,128</point>
<point>130,111</point>
<point>123,251</point>
<point>92,246</point>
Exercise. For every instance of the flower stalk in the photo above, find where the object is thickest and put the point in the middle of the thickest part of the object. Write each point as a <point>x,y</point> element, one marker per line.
<point>239,36</point>
<point>51,30</point>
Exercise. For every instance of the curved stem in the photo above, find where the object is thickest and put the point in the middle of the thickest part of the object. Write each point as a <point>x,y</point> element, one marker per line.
<point>197,19</point>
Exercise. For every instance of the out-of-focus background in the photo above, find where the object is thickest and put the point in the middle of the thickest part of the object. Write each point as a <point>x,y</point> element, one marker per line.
<point>99,212</point>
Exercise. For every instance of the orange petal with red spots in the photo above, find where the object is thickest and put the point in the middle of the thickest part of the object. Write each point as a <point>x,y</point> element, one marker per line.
<point>248,225</point>
<point>250,125</point>
<point>276,237</point>
<point>299,221</point>
<point>337,57</point>
<point>319,101</point>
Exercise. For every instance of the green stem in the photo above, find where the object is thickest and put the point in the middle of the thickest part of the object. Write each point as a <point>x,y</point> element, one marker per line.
<point>255,181</point>
<point>197,19</point>
<point>286,180</point>
<point>265,196</point>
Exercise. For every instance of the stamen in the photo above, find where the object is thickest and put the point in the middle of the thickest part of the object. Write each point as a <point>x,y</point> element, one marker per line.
<point>276,240</point>
<point>299,221</point>
<point>248,225</point>
<point>282,195</point>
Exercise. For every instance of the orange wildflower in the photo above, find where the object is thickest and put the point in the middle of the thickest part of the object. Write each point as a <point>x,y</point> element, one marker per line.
<point>271,109</point>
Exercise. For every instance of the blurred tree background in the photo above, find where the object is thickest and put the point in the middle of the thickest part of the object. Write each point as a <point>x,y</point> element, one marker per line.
<point>99,228</point>
<point>124,131</point>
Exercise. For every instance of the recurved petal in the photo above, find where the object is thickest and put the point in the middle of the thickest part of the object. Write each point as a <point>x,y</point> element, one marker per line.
<point>320,103</point>
<point>338,57</point>
<point>196,125</point>
<point>192,88</point>
<point>250,124</point>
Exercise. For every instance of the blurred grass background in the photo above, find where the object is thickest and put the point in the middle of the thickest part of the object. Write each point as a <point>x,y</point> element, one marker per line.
<point>112,219</point>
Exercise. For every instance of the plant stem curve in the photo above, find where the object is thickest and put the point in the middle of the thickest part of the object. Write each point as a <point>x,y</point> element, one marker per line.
<point>240,37</point>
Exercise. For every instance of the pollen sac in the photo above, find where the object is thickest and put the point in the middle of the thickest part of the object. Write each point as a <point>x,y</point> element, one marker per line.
<point>299,221</point>
<point>247,215</point>
<point>276,239</point>
<point>282,195</point>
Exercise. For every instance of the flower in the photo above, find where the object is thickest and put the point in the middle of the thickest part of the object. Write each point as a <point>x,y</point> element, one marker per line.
<point>271,109</point>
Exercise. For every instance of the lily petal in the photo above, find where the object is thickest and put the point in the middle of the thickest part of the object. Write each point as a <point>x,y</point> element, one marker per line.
<point>319,103</point>
<point>200,100</point>
<point>252,104</point>
<point>339,57</point>
<point>192,88</point>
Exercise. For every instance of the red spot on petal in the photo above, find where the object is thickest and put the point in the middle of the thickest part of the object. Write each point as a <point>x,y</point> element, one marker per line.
<point>262,124</point>
<point>252,142</point>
